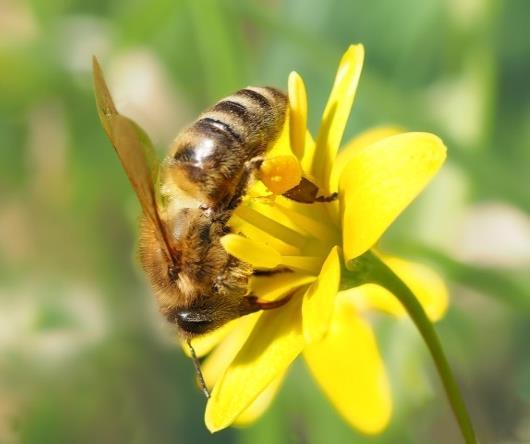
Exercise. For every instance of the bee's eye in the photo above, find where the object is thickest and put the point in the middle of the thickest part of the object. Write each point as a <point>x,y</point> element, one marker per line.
<point>194,322</point>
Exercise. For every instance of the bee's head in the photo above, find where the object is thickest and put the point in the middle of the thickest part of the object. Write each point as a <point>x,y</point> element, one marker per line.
<point>193,323</point>
<point>207,313</point>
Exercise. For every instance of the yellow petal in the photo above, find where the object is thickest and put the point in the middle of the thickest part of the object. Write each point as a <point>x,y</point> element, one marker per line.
<point>203,344</point>
<point>378,183</point>
<point>282,145</point>
<point>280,173</point>
<point>218,361</point>
<point>310,221</point>
<point>318,302</point>
<point>349,369</point>
<point>315,225</point>
<point>255,253</point>
<point>238,225</point>
<point>260,404</point>
<point>345,155</point>
<point>266,288</point>
<point>297,114</point>
<point>309,158</point>
<point>315,221</point>
<point>425,283</point>
<point>363,139</point>
<point>305,264</point>
<point>270,288</point>
<point>289,235</point>
<point>337,112</point>
<point>274,343</point>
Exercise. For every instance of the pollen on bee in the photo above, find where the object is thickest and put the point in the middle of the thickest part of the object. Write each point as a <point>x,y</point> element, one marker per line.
<point>280,173</point>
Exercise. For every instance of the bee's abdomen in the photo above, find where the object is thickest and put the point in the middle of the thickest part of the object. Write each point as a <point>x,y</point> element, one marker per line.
<point>252,117</point>
<point>208,158</point>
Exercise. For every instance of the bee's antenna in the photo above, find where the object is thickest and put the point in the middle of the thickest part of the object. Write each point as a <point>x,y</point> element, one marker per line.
<point>198,371</point>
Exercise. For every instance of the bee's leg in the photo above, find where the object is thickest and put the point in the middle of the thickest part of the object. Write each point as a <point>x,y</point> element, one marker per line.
<point>198,372</point>
<point>271,272</point>
<point>329,198</point>
<point>307,192</point>
<point>251,304</point>
<point>250,167</point>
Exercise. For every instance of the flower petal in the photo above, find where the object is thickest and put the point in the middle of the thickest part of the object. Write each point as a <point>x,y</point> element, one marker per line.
<point>239,225</point>
<point>260,404</point>
<point>297,114</point>
<point>255,253</point>
<point>378,183</point>
<point>337,112</point>
<point>312,220</point>
<point>318,303</point>
<point>349,369</point>
<point>309,157</point>
<point>203,344</point>
<point>218,361</point>
<point>289,235</point>
<point>270,288</point>
<point>345,155</point>
<point>305,264</point>
<point>273,344</point>
<point>282,145</point>
<point>424,282</point>
<point>363,139</point>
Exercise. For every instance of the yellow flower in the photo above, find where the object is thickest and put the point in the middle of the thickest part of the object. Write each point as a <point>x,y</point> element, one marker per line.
<point>376,175</point>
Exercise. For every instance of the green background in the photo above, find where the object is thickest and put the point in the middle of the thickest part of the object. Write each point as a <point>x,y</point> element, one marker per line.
<point>84,356</point>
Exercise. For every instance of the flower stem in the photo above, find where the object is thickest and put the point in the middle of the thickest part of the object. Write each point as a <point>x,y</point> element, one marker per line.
<point>378,272</point>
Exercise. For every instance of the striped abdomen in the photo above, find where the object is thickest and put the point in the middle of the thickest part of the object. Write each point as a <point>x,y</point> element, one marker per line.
<point>206,161</point>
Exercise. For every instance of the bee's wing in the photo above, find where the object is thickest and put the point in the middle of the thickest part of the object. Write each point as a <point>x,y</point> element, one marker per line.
<point>135,151</point>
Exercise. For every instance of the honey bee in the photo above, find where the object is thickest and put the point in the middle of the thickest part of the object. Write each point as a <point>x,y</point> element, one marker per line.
<point>188,198</point>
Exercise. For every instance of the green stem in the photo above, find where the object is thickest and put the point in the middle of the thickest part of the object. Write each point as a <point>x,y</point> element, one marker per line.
<point>378,272</point>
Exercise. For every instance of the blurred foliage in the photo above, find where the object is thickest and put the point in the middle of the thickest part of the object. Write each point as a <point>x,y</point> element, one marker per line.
<point>84,356</point>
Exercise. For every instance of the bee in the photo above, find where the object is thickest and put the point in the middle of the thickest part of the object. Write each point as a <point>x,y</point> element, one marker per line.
<point>188,198</point>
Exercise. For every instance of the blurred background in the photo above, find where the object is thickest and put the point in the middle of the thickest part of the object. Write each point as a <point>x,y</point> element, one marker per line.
<point>84,355</point>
